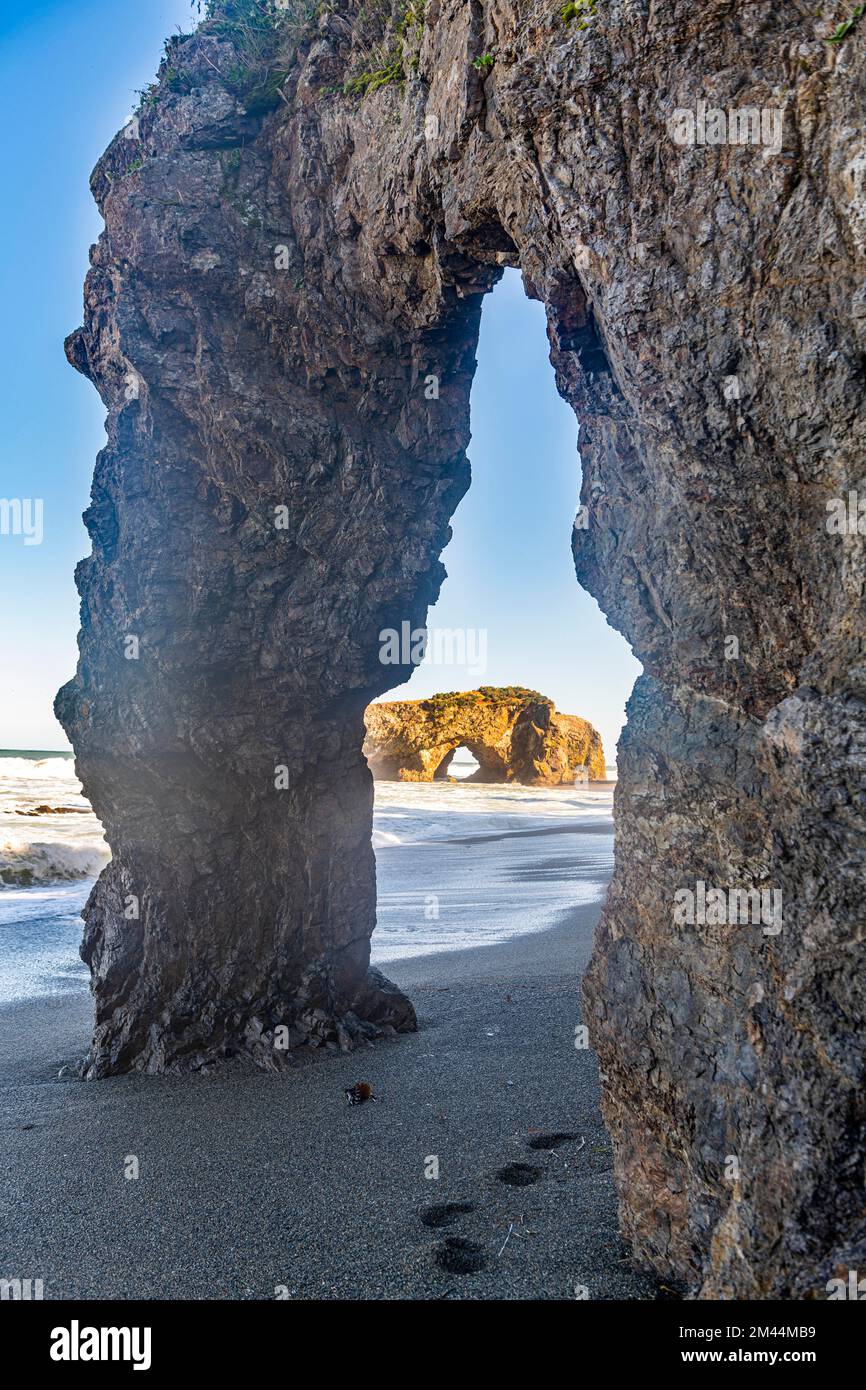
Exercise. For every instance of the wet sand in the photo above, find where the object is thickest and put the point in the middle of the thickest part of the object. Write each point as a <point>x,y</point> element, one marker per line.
<point>252,1184</point>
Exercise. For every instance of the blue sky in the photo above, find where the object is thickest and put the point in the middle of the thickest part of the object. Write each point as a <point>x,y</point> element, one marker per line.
<point>68,78</point>
<point>68,75</point>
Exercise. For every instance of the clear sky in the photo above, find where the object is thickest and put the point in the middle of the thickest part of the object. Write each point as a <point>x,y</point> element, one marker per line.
<point>68,78</point>
<point>69,70</point>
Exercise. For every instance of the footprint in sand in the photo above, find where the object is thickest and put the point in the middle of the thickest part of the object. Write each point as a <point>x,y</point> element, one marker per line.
<point>552,1141</point>
<point>446,1213</point>
<point>458,1255</point>
<point>520,1174</point>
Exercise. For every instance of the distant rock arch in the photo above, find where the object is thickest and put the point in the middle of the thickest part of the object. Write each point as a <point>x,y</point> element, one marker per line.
<point>515,735</point>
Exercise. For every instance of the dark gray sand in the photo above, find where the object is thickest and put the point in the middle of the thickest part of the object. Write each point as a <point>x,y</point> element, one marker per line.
<point>251,1181</point>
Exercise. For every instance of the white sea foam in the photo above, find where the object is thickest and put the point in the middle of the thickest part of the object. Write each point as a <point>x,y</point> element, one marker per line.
<point>418,812</point>
<point>27,862</point>
<point>62,842</point>
<point>16,769</point>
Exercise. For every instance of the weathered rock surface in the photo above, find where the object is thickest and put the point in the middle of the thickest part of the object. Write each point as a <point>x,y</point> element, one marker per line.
<point>516,736</point>
<point>282,314</point>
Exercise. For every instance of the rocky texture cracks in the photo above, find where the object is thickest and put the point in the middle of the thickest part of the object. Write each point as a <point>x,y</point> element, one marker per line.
<point>282,314</point>
<point>515,735</point>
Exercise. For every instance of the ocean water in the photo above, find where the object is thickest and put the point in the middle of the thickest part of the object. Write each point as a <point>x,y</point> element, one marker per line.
<point>458,865</point>
<point>48,833</point>
<point>463,865</point>
<point>51,850</point>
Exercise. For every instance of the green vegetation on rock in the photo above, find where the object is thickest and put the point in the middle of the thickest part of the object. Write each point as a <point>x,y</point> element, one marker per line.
<point>387,42</point>
<point>847,25</point>
<point>578,9</point>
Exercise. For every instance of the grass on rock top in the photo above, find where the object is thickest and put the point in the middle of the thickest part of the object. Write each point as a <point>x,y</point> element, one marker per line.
<point>485,694</point>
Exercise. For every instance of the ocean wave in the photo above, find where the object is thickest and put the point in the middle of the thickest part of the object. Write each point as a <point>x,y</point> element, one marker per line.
<point>24,863</point>
<point>32,769</point>
<point>413,813</point>
<point>383,838</point>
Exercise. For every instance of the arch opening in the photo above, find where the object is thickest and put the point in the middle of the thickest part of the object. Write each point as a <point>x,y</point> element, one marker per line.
<point>463,763</point>
<point>509,700</point>
<point>510,612</point>
<point>458,763</point>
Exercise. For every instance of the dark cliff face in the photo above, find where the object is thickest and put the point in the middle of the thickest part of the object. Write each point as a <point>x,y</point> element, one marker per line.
<point>515,735</point>
<point>281,318</point>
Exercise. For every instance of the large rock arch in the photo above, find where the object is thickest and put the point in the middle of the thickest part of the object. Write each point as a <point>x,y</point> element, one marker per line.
<point>281,318</point>
<point>514,734</point>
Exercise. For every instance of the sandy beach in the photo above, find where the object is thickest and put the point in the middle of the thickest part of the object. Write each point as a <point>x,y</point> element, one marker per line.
<point>255,1186</point>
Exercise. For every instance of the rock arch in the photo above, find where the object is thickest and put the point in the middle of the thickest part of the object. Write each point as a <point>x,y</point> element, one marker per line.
<point>515,735</point>
<point>281,318</point>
